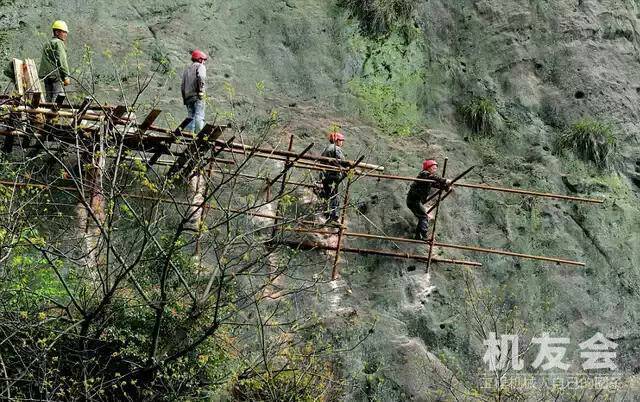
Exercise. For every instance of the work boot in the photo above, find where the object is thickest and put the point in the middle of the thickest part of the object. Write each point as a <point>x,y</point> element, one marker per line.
<point>422,229</point>
<point>333,220</point>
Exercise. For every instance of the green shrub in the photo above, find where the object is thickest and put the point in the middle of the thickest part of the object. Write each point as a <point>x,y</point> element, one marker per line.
<point>590,140</point>
<point>480,115</point>
<point>380,16</point>
<point>383,103</point>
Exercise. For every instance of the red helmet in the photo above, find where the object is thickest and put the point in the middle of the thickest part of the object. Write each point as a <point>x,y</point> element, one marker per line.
<point>335,136</point>
<point>198,55</point>
<point>428,163</point>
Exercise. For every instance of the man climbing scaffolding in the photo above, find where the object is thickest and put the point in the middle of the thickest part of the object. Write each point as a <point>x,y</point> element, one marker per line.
<point>54,68</point>
<point>193,90</point>
<point>419,192</point>
<point>330,178</point>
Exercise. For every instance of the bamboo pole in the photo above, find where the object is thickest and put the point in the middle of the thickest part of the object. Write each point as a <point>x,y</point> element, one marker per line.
<point>467,185</point>
<point>249,176</point>
<point>159,199</point>
<point>50,113</point>
<point>271,151</point>
<point>16,101</point>
<point>300,163</point>
<point>435,219</point>
<point>526,192</point>
<point>313,246</point>
<point>289,164</point>
<point>283,184</point>
<point>443,245</point>
<point>334,271</point>
<point>511,254</point>
<point>321,167</point>
<point>274,153</point>
<point>170,163</point>
<point>300,230</point>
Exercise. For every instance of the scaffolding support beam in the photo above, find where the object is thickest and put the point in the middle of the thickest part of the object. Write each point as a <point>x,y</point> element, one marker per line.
<point>289,164</point>
<point>283,185</point>
<point>365,251</point>
<point>272,151</point>
<point>442,245</point>
<point>343,215</point>
<point>435,219</point>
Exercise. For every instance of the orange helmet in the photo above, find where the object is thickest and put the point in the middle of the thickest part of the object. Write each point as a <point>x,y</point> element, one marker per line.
<point>335,136</point>
<point>428,163</point>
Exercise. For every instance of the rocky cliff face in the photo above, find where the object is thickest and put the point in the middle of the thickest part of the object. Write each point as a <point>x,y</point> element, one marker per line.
<point>542,64</point>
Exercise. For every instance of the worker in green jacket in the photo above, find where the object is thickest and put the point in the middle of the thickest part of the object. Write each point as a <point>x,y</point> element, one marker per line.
<point>54,69</point>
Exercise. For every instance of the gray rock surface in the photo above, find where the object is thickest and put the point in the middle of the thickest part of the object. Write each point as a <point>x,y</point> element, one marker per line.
<point>544,64</point>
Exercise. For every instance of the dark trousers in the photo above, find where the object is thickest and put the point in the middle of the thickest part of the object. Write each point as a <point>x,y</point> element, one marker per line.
<point>420,212</point>
<point>330,194</point>
<point>52,88</point>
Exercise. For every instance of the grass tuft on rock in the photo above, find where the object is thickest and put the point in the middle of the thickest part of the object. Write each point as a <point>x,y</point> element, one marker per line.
<point>481,116</point>
<point>379,17</point>
<point>591,140</point>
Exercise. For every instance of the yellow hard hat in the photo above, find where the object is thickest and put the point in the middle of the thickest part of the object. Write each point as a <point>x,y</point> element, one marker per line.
<point>61,25</point>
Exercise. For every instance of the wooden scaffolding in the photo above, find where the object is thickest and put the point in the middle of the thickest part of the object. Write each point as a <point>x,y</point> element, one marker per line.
<point>65,123</point>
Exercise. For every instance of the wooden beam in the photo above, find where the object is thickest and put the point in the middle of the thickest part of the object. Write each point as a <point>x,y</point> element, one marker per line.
<point>32,83</point>
<point>148,121</point>
<point>35,99</point>
<point>186,161</point>
<point>82,110</point>
<point>185,123</point>
<point>18,75</point>
<point>119,111</point>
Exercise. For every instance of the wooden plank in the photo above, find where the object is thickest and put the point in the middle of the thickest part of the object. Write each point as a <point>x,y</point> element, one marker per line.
<point>159,150</point>
<point>19,75</point>
<point>185,123</point>
<point>35,100</point>
<point>82,110</point>
<point>186,162</point>
<point>119,111</point>
<point>32,82</point>
<point>148,121</point>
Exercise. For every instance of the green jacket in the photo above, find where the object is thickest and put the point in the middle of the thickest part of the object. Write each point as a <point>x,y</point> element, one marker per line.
<point>53,63</point>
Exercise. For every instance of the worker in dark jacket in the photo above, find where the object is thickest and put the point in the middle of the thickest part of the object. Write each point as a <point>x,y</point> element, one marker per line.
<point>330,178</point>
<point>419,192</point>
<point>193,90</point>
<point>54,68</point>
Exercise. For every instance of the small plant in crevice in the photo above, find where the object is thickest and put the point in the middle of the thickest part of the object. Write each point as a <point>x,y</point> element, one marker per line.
<point>379,17</point>
<point>591,140</point>
<point>480,115</point>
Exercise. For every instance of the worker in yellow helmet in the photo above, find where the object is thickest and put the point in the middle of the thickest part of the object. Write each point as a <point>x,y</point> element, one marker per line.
<point>332,178</point>
<point>54,69</point>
